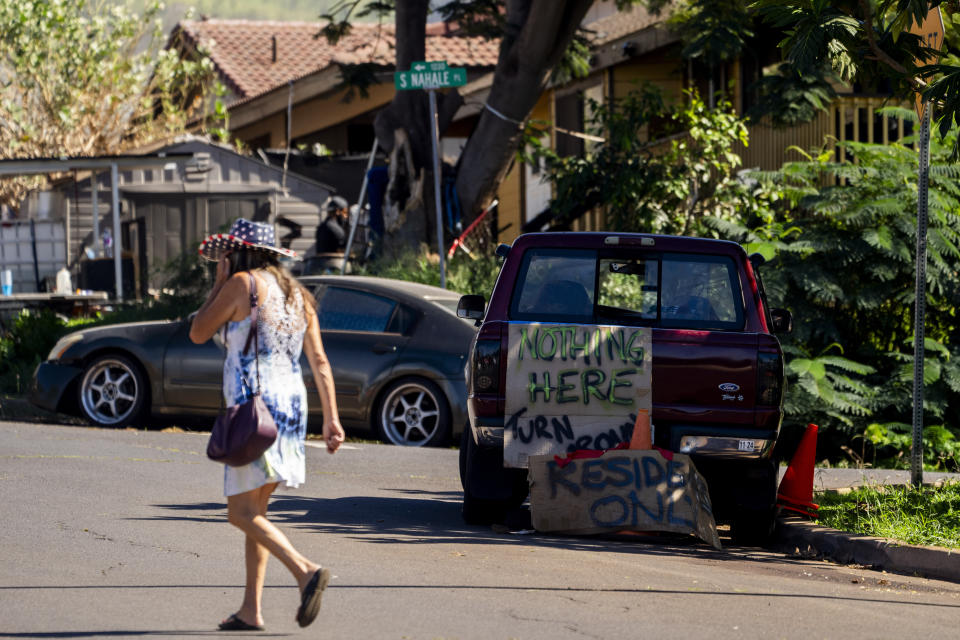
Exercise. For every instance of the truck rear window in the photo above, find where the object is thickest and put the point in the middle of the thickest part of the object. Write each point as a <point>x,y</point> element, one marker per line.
<point>674,290</point>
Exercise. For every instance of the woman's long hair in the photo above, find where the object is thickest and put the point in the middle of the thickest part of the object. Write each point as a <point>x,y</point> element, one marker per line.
<point>250,259</point>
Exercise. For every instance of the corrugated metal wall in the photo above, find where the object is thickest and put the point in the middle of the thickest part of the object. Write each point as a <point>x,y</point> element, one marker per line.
<point>17,244</point>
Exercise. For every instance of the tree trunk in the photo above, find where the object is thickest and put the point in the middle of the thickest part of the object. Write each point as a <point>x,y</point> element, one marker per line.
<point>537,34</point>
<point>410,110</point>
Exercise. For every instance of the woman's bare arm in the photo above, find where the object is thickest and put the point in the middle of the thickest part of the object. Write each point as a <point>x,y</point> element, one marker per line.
<point>333,432</point>
<point>225,300</point>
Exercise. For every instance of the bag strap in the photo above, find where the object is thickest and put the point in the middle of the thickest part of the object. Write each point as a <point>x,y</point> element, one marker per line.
<point>253,313</point>
<point>254,333</point>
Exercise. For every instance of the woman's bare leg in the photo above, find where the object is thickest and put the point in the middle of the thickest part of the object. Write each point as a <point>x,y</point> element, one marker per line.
<point>256,556</point>
<point>243,512</point>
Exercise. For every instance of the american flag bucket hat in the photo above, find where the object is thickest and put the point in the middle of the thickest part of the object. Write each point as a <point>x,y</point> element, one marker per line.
<point>258,236</point>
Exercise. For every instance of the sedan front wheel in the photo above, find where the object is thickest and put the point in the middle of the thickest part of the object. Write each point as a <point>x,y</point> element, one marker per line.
<point>413,413</point>
<point>112,391</point>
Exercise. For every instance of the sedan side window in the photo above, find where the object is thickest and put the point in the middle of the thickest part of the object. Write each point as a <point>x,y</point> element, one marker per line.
<point>349,310</point>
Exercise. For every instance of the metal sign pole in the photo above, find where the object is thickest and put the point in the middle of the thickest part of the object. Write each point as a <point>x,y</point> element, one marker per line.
<point>95,206</point>
<point>354,212</point>
<point>923,181</point>
<point>435,138</point>
<point>116,245</point>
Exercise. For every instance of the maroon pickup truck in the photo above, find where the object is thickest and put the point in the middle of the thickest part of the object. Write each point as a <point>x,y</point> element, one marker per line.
<point>583,330</point>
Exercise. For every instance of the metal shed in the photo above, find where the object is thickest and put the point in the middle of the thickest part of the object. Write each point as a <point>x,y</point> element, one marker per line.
<point>166,210</point>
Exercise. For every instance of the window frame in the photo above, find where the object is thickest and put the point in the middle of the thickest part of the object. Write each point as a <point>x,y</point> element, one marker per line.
<point>392,319</point>
<point>633,255</point>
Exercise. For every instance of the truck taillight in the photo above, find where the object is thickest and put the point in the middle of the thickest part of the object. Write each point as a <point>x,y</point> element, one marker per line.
<point>486,366</point>
<point>769,379</point>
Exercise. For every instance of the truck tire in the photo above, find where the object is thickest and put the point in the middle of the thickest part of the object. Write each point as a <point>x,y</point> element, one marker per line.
<point>485,511</point>
<point>753,528</point>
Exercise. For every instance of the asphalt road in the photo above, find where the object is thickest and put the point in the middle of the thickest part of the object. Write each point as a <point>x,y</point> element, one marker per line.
<point>122,534</point>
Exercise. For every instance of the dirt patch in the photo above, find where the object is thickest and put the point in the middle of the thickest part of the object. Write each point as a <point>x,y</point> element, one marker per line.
<point>18,408</point>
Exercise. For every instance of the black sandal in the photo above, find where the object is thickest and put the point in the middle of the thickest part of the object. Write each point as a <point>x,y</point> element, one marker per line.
<point>310,599</point>
<point>233,623</point>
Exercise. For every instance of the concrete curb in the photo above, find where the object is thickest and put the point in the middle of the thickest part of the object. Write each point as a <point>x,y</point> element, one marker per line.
<point>881,553</point>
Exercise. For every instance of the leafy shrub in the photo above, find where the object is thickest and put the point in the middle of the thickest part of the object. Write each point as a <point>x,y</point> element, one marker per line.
<point>465,274</point>
<point>26,345</point>
<point>842,234</point>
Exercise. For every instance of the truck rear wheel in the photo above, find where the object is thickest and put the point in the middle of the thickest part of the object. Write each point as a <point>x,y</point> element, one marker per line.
<point>753,527</point>
<point>474,464</point>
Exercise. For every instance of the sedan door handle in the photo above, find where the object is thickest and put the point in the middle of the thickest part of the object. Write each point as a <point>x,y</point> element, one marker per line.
<point>383,348</point>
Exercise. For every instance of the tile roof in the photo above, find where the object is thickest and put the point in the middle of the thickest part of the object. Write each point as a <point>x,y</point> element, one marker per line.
<point>623,23</point>
<point>254,57</point>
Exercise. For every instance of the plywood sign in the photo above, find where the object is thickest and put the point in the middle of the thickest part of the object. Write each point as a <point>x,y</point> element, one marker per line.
<point>626,490</point>
<point>572,387</point>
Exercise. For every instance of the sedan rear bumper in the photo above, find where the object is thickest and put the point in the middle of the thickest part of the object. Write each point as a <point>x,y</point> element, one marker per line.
<point>50,382</point>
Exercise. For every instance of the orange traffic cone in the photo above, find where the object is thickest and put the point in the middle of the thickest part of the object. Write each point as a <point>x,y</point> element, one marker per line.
<point>796,488</point>
<point>641,431</point>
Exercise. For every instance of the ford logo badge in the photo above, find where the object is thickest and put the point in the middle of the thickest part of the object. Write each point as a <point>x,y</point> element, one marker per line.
<point>729,387</point>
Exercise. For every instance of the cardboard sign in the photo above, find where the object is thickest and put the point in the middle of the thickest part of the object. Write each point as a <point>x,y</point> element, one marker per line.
<point>572,386</point>
<point>624,490</point>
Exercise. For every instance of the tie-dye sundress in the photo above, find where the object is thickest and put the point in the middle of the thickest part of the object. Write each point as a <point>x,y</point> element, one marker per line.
<point>281,328</point>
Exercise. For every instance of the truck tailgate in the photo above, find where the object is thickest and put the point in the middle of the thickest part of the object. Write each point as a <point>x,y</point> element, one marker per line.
<point>704,377</point>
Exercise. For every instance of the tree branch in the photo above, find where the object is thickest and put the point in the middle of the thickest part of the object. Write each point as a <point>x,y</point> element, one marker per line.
<point>882,56</point>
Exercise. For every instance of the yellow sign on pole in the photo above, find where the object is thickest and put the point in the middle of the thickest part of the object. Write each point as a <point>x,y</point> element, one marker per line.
<point>931,30</point>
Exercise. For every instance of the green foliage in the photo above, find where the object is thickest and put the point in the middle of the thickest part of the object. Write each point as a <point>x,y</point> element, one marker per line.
<point>822,390</point>
<point>712,30</point>
<point>484,18</point>
<point>303,10</point>
<point>340,13</point>
<point>817,31</point>
<point>842,235</point>
<point>668,185</point>
<point>925,516</point>
<point>25,345</point>
<point>871,42</point>
<point>33,334</point>
<point>186,282</point>
<point>575,62</point>
<point>789,98</point>
<point>87,77</point>
<point>465,274</point>
<point>890,444</point>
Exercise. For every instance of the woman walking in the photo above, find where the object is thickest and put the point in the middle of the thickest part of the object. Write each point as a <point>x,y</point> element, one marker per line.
<point>251,286</point>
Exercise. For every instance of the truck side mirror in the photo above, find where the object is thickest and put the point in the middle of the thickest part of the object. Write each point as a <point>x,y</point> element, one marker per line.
<point>471,307</point>
<point>782,320</point>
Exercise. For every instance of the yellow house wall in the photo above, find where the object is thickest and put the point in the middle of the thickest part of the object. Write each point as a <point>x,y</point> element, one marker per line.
<point>511,209</point>
<point>660,69</point>
<point>274,126</point>
<point>327,111</point>
<point>317,114</point>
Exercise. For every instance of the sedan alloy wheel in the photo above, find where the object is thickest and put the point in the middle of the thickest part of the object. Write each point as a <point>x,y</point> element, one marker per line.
<point>413,413</point>
<point>112,391</point>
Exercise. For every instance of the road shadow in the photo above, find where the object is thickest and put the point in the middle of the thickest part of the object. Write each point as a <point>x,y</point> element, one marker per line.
<point>416,517</point>
<point>137,633</point>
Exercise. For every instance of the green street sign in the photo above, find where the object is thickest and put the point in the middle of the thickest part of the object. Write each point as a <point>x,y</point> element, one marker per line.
<point>430,75</point>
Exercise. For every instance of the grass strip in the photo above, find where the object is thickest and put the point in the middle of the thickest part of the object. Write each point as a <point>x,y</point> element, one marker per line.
<point>927,516</point>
